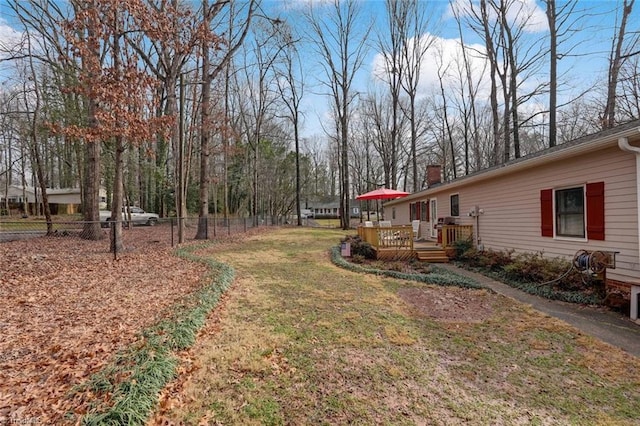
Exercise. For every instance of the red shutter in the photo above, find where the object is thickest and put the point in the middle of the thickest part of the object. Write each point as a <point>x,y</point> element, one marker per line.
<point>417,211</point>
<point>410,212</point>
<point>546,212</point>
<point>595,211</point>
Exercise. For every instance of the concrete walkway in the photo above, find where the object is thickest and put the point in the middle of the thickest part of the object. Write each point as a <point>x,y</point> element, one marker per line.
<point>610,327</point>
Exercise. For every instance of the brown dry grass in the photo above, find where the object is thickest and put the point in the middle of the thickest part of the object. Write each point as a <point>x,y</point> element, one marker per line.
<point>300,341</point>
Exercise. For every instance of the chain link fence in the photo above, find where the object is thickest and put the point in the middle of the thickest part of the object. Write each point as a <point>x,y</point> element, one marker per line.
<point>164,230</point>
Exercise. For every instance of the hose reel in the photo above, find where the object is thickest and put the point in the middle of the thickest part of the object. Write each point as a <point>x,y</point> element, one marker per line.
<point>592,264</point>
<point>595,261</point>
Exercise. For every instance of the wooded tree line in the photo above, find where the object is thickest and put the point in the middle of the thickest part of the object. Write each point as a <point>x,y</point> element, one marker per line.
<point>199,107</point>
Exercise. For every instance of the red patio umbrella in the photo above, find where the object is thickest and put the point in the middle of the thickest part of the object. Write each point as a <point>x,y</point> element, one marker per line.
<point>382,194</point>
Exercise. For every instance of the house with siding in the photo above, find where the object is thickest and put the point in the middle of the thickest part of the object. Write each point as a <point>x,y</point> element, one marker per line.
<point>61,200</point>
<point>329,208</point>
<point>581,195</point>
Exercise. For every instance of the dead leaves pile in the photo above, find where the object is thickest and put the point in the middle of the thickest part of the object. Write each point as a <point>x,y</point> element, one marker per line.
<point>66,307</point>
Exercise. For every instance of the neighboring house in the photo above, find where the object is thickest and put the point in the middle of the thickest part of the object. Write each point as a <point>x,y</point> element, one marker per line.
<point>61,201</point>
<point>581,195</point>
<point>330,208</point>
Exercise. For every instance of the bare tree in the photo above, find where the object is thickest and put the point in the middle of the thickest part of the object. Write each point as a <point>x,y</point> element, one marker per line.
<point>415,41</point>
<point>210,41</point>
<point>469,89</point>
<point>616,60</point>
<point>171,34</point>
<point>377,121</point>
<point>258,85</point>
<point>342,48</point>
<point>391,47</point>
<point>291,85</point>
<point>481,24</point>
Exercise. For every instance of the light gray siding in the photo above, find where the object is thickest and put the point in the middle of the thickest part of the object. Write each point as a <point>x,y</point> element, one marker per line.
<point>511,204</point>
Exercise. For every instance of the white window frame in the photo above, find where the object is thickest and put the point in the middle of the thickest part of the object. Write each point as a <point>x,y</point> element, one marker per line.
<point>584,214</point>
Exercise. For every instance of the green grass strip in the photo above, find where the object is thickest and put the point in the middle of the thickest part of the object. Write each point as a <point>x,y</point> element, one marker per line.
<point>149,365</point>
<point>438,276</point>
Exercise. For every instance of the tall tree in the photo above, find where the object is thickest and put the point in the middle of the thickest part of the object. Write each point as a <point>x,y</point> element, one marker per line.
<point>390,46</point>
<point>172,33</point>
<point>291,85</point>
<point>616,60</point>
<point>413,21</point>
<point>210,70</point>
<point>482,25</point>
<point>469,89</point>
<point>341,46</point>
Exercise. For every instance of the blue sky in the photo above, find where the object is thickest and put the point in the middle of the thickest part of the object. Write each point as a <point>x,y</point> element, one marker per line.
<point>591,44</point>
<point>588,63</point>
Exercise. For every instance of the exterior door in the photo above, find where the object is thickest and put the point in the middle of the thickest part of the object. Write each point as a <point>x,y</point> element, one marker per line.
<point>433,217</point>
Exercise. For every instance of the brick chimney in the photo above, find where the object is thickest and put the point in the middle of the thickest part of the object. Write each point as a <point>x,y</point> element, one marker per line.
<point>434,172</point>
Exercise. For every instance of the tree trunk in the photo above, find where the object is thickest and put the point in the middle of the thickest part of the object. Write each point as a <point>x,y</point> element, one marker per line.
<point>553,71</point>
<point>205,125</point>
<point>616,60</point>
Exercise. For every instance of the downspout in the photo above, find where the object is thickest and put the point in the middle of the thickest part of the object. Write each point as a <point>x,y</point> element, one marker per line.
<point>624,145</point>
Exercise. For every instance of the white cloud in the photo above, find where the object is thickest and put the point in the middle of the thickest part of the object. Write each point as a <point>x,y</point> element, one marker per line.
<point>525,14</point>
<point>443,58</point>
<point>9,37</point>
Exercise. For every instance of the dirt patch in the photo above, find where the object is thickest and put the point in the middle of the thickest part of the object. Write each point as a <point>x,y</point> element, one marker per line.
<point>449,304</point>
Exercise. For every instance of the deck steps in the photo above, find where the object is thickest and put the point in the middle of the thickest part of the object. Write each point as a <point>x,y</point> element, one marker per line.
<point>432,255</point>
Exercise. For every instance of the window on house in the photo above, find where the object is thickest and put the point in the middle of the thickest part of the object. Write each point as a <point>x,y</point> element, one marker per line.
<point>455,205</point>
<point>412,211</point>
<point>576,212</point>
<point>570,212</point>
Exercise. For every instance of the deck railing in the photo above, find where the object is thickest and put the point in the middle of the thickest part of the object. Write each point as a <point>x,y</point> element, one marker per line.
<point>401,236</point>
<point>453,233</point>
<point>395,237</point>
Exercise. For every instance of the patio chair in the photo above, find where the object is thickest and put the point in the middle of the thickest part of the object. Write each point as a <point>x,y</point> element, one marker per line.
<point>415,224</point>
<point>385,224</point>
<point>368,224</point>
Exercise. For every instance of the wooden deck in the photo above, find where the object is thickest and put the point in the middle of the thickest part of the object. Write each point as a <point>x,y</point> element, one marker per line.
<point>398,243</point>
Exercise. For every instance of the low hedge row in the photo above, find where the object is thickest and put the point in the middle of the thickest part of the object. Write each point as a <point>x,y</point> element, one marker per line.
<point>128,389</point>
<point>548,292</point>
<point>438,276</point>
<point>533,273</point>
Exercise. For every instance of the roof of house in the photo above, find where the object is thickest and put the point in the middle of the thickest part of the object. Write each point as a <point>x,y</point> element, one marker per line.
<point>585,144</point>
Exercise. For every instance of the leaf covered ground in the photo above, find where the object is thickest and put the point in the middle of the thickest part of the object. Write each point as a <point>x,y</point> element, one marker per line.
<point>295,340</point>
<point>66,307</point>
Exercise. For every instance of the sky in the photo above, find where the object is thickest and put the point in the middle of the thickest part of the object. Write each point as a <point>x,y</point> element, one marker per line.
<point>591,44</point>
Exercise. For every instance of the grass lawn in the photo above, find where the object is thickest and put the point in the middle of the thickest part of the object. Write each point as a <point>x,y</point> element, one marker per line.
<point>298,340</point>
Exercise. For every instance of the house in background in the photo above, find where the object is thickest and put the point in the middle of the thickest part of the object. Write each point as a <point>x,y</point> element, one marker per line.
<point>581,195</point>
<point>329,208</point>
<point>61,200</point>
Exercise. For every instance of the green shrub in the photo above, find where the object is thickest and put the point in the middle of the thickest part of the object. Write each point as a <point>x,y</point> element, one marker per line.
<point>360,247</point>
<point>492,260</point>
<point>553,278</point>
<point>460,247</point>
